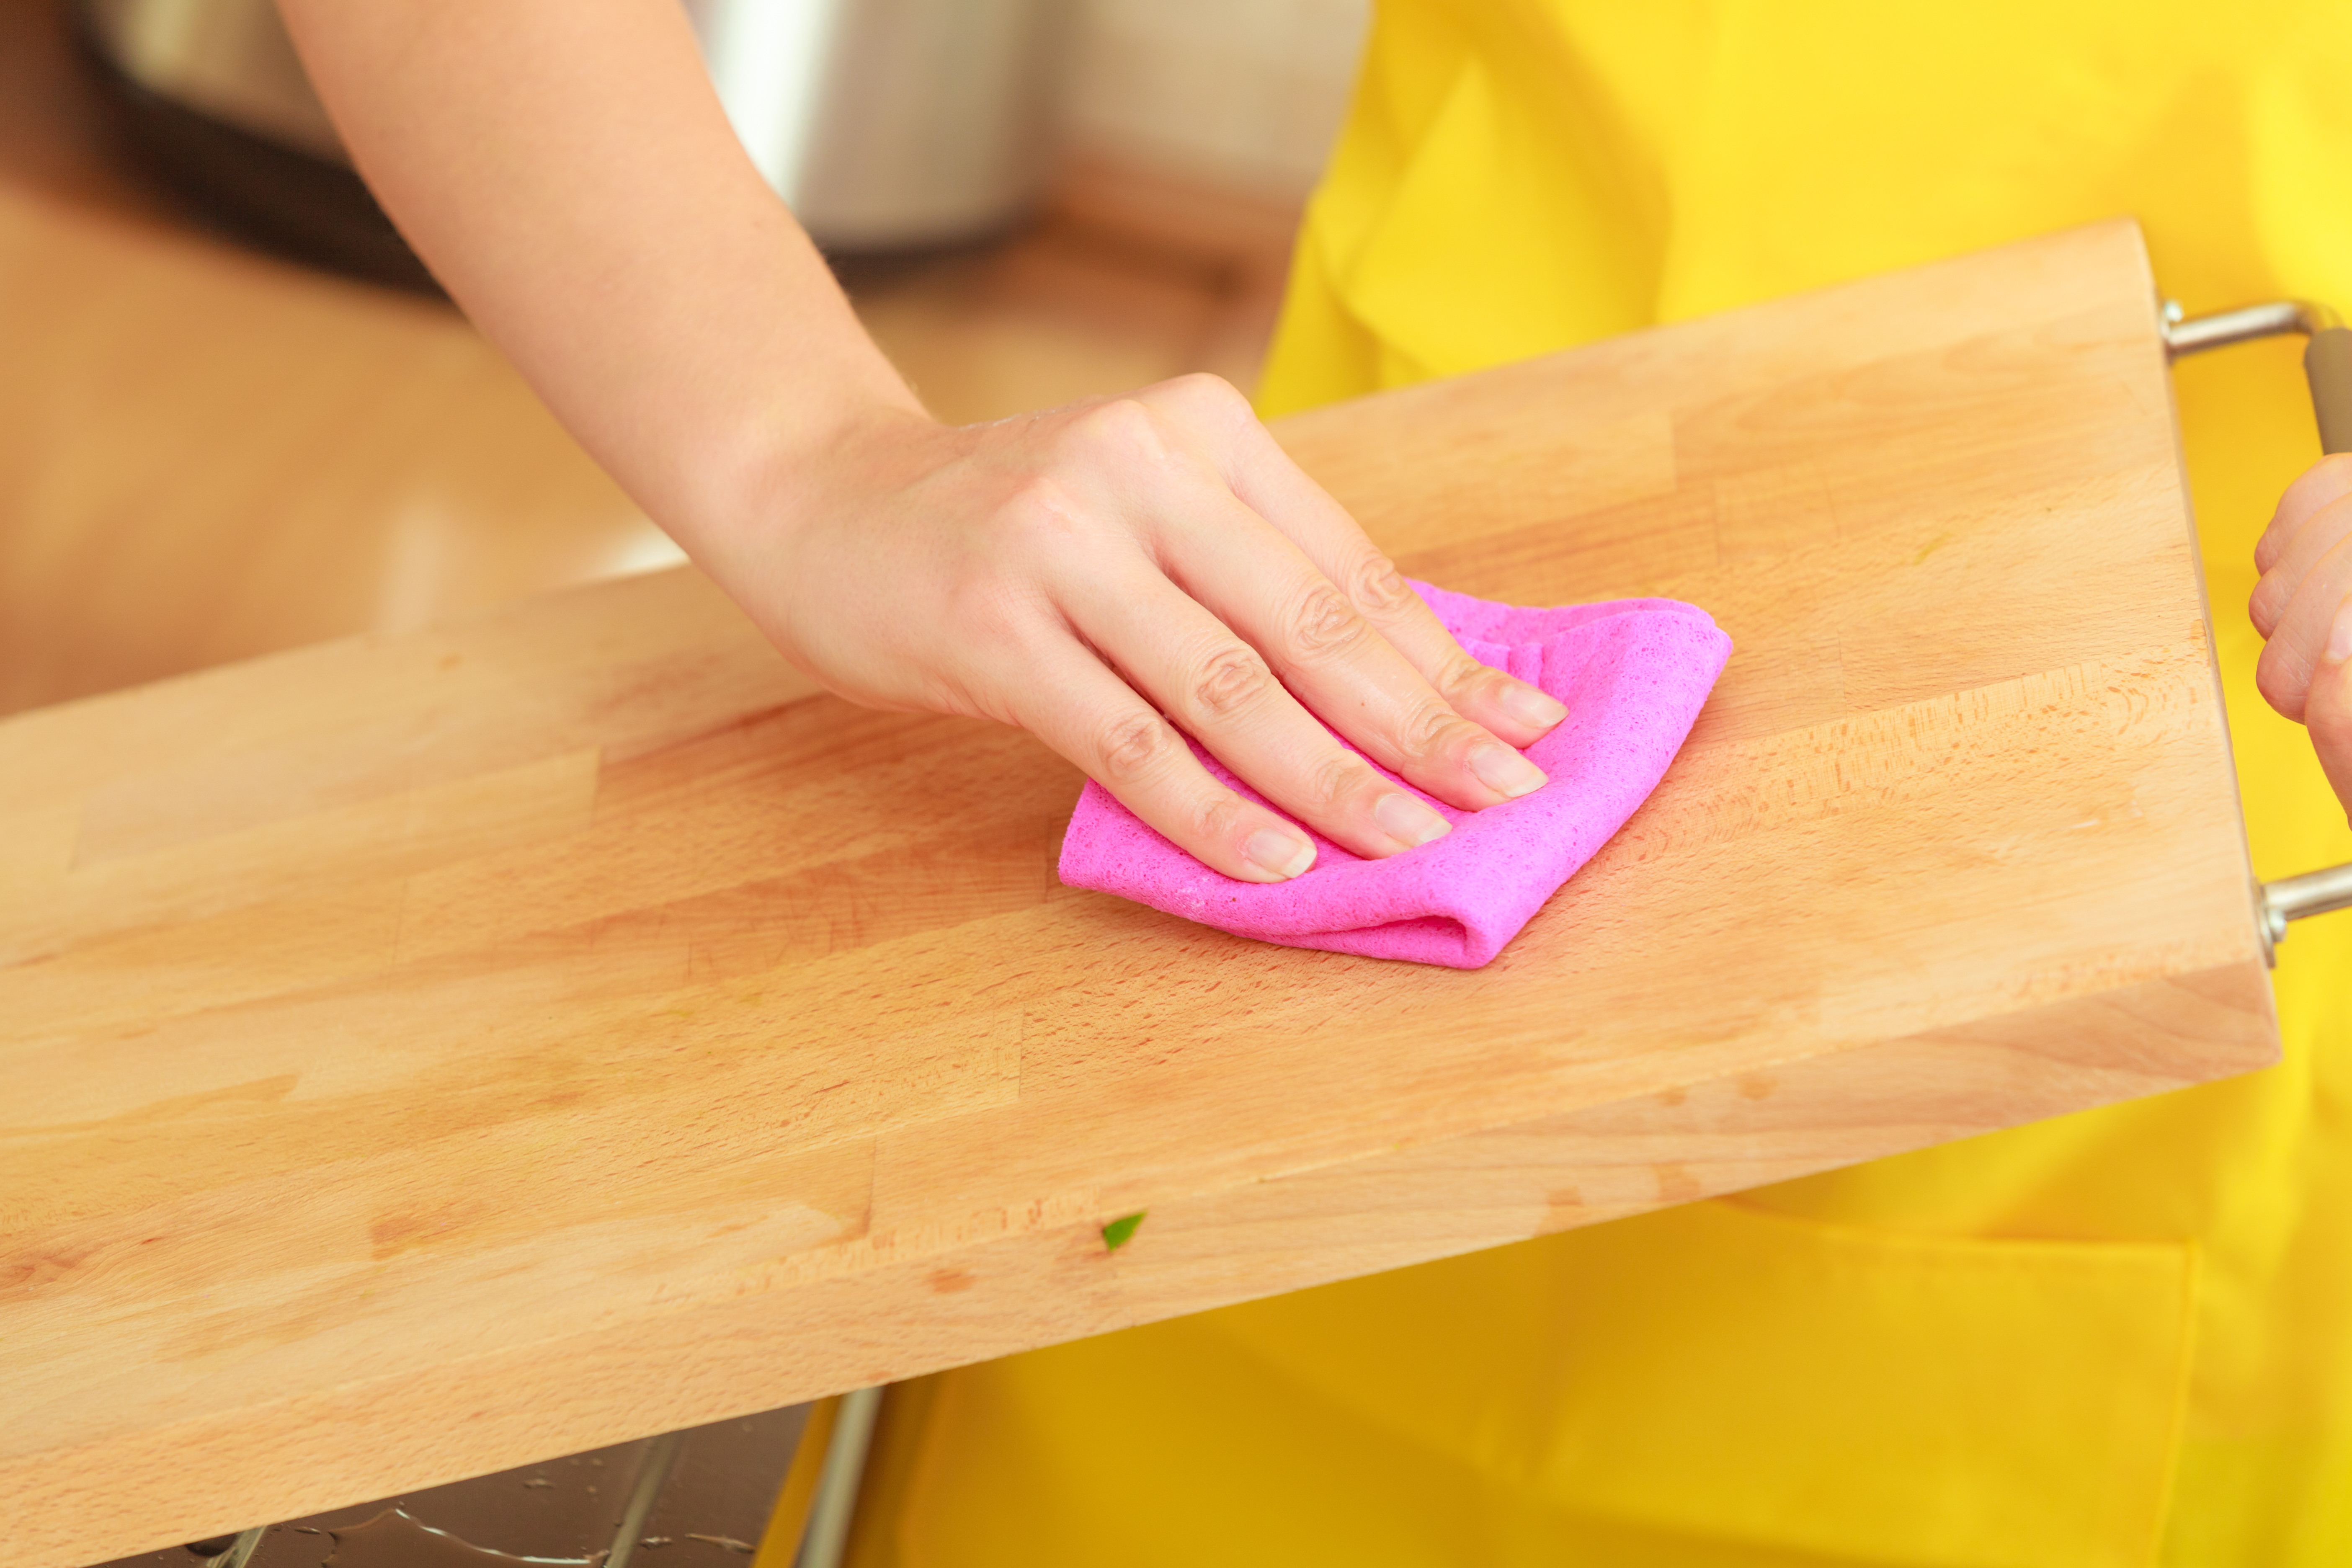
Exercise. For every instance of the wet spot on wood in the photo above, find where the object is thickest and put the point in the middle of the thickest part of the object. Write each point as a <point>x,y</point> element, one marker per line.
<point>1675,1184</point>
<point>1563,1208</point>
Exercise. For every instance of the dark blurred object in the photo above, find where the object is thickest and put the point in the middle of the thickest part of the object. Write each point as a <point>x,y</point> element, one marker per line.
<point>211,97</point>
<point>696,1498</point>
<point>888,125</point>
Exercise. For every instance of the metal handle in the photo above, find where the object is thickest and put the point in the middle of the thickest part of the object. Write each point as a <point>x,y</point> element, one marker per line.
<point>2313,894</point>
<point>652,1474</point>
<point>2327,365</point>
<point>240,1551</point>
<point>2326,359</point>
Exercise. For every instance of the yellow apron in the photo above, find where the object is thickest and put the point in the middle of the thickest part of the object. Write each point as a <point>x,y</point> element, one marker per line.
<point>2124,1337</point>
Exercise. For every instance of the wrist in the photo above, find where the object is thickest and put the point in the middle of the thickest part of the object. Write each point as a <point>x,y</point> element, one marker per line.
<point>793,457</point>
<point>764,496</point>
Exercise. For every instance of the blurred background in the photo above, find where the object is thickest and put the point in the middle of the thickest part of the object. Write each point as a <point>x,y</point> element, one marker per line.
<point>236,418</point>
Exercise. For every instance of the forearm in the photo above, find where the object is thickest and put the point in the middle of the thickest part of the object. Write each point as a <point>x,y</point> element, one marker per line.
<point>1088,572</point>
<point>565,169</point>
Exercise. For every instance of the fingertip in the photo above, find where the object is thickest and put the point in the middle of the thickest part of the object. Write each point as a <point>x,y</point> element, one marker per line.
<point>2283,688</point>
<point>1276,854</point>
<point>1511,710</point>
<point>2273,540</point>
<point>1505,772</point>
<point>1538,709</point>
<point>1408,821</point>
<point>2261,609</point>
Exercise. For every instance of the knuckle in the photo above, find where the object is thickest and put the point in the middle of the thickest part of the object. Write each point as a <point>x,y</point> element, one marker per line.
<point>1234,679</point>
<point>1121,429</point>
<point>1462,676</point>
<point>1430,728</point>
<point>1210,394</point>
<point>1134,748</point>
<point>1325,623</point>
<point>1039,516</point>
<point>1379,586</point>
<point>986,610</point>
<point>1332,781</point>
<point>2262,608</point>
<point>1217,816</point>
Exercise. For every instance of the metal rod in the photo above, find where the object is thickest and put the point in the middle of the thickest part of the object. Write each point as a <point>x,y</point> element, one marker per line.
<point>2195,334</point>
<point>836,1489</point>
<point>2297,897</point>
<point>652,1474</point>
<point>2327,365</point>
<point>240,1551</point>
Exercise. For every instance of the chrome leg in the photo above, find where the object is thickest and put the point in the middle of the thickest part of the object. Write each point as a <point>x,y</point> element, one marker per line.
<point>836,1489</point>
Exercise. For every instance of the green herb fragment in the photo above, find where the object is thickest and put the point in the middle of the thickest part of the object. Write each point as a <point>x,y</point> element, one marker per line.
<point>1118,1232</point>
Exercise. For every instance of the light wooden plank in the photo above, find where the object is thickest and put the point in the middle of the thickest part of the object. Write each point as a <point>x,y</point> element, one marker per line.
<point>430,1055</point>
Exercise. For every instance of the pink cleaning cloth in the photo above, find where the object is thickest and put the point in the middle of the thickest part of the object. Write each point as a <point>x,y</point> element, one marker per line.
<point>1634,674</point>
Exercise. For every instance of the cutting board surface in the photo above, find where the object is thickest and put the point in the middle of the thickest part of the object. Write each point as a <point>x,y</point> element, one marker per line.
<point>429,1055</point>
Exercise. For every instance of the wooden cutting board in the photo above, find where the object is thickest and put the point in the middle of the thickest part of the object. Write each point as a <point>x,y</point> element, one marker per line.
<point>429,1055</point>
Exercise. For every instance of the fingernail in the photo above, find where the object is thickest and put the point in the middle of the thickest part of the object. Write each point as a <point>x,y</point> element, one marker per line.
<point>2339,636</point>
<point>1506,772</point>
<point>1408,821</point>
<point>1530,706</point>
<point>1279,854</point>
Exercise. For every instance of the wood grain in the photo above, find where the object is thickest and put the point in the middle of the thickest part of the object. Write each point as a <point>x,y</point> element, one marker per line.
<point>428,1055</point>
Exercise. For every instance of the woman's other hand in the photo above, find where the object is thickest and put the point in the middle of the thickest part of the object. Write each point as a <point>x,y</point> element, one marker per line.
<point>2303,607</point>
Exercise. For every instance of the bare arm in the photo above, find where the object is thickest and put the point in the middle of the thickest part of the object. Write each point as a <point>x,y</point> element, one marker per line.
<point>568,174</point>
<point>566,169</point>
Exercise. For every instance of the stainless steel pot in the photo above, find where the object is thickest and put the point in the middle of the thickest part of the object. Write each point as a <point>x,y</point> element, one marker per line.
<point>890,125</point>
<point>887,124</point>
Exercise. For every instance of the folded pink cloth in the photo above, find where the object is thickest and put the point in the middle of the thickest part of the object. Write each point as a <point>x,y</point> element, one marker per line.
<point>1634,674</point>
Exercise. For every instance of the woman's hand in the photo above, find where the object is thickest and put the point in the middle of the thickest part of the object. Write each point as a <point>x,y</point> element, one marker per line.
<point>2303,607</point>
<point>1082,572</point>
